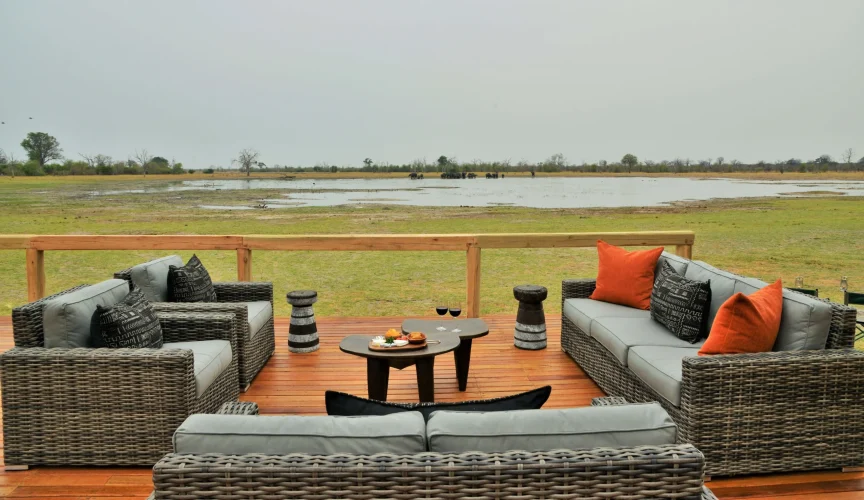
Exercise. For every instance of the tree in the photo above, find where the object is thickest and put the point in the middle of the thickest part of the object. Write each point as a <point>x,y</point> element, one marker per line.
<point>42,147</point>
<point>143,158</point>
<point>823,160</point>
<point>443,161</point>
<point>847,156</point>
<point>720,161</point>
<point>247,159</point>
<point>794,162</point>
<point>630,161</point>
<point>367,162</point>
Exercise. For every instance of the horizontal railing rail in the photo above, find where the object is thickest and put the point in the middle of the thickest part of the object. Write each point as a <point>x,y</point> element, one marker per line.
<point>472,244</point>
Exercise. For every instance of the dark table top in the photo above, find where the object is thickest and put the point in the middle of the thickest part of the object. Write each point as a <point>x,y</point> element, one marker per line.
<point>358,345</point>
<point>471,328</point>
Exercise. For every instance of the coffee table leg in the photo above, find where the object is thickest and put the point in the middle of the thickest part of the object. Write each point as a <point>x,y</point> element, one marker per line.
<point>426,379</point>
<point>377,378</point>
<point>463,362</point>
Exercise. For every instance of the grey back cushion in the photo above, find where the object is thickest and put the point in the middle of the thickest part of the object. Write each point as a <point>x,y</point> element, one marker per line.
<point>68,320</point>
<point>152,277</point>
<point>722,285</point>
<point>536,430</point>
<point>679,264</point>
<point>804,323</point>
<point>399,433</point>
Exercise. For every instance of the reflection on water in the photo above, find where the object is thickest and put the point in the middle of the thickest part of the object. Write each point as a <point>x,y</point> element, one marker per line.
<point>539,192</point>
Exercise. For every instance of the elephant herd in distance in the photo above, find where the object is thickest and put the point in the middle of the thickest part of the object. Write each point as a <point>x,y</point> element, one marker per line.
<point>459,175</point>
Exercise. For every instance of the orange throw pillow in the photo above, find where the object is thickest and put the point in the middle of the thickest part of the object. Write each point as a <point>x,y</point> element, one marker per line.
<point>625,278</point>
<point>746,323</point>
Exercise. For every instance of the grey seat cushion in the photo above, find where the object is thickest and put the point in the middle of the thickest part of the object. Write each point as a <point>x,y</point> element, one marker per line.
<point>533,430</point>
<point>69,321</point>
<point>583,312</point>
<point>804,322</point>
<point>660,368</point>
<point>152,277</point>
<point>211,358</point>
<point>618,335</point>
<point>399,433</point>
<point>259,313</point>
<point>679,264</point>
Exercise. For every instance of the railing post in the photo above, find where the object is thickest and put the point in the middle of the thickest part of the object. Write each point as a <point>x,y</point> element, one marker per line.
<point>472,267</point>
<point>244,264</point>
<point>35,274</point>
<point>685,251</point>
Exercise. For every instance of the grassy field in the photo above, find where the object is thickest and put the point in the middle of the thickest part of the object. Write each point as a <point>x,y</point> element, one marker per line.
<point>817,238</point>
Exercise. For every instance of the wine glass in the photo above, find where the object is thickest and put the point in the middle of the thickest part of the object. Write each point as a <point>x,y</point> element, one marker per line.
<point>441,308</point>
<point>844,284</point>
<point>455,311</point>
<point>455,308</point>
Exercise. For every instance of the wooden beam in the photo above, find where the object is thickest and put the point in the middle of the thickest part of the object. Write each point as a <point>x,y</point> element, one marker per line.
<point>472,279</point>
<point>244,264</point>
<point>572,240</point>
<point>14,241</point>
<point>685,251</point>
<point>136,242</point>
<point>35,274</point>
<point>360,242</point>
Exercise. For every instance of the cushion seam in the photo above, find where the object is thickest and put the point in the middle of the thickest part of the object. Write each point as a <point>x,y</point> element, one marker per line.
<point>589,432</point>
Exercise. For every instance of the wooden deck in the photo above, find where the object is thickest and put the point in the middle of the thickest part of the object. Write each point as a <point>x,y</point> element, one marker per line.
<point>296,383</point>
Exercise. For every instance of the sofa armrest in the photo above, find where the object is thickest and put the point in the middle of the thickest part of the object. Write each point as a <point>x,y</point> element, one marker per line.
<point>781,402</point>
<point>577,288</point>
<point>239,311</point>
<point>194,326</point>
<point>650,470</point>
<point>37,379</point>
<point>786,378</point>
<point>243,291</point>
<point>27,321</point>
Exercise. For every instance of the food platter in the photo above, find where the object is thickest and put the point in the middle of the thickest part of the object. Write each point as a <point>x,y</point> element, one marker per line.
<point>407,347</point>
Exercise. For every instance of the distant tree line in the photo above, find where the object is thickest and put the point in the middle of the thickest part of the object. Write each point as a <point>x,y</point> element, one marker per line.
<point>629,163</point>
<point>45,157</point>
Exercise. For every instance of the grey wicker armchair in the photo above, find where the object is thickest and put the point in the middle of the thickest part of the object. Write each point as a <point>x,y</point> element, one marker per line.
<point>119,407</point>
<point>750,413</point>
<point>256,340</point>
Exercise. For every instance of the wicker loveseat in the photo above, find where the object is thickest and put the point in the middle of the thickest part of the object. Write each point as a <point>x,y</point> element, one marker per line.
<point>799,407</point>
<point>118,407</point>
<point>250,303</point>
<point>657,470</point>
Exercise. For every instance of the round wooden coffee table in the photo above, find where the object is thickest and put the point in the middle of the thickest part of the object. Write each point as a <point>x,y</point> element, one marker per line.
<point>469,329</point>
<point>378,363</point>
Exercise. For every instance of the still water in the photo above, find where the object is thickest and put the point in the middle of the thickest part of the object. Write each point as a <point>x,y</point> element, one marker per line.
<point>539,192</point>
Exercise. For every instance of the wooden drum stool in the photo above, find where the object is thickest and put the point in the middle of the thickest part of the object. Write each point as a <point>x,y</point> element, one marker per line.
<point>530,330</point>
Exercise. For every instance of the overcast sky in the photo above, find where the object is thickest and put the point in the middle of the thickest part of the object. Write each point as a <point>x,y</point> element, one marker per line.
<point>339,81</point>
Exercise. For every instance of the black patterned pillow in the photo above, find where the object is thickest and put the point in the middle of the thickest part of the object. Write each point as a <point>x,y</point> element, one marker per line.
<point>339,403</point>
<point>131,322</point>
<point>681,305</point>
<point>190,283</point>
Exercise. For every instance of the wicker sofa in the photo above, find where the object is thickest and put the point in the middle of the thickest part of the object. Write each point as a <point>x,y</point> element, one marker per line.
<point>799,407</point>
<point>650,471</point>
<point>117,407</point>
<point>250,303</point>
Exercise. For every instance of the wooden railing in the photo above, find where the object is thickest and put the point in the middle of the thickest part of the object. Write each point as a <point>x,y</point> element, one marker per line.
<point>472,244</point>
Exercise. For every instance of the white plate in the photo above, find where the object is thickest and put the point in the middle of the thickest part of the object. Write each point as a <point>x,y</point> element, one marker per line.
<point>400,343</point>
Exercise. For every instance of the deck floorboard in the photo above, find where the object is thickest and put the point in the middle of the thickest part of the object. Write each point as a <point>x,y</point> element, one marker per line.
<point>295,384</point>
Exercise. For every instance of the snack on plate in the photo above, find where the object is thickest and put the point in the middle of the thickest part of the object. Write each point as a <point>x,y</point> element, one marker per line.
<point>416,337</point>
<point>392,334</point>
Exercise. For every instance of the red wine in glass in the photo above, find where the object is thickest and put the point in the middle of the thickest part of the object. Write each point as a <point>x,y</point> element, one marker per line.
<point>455,311</point>
<point>441,310</point>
